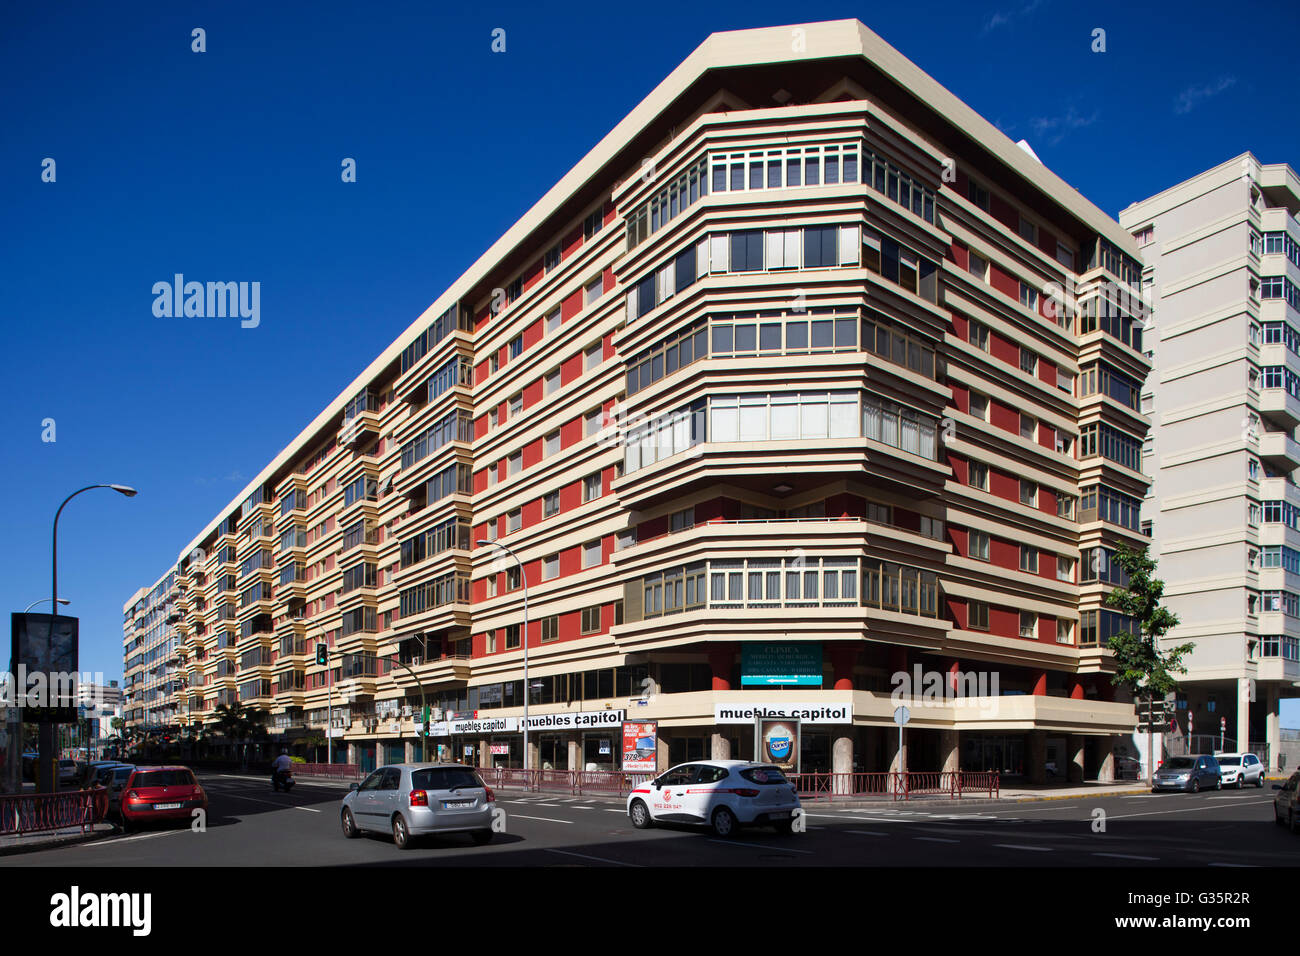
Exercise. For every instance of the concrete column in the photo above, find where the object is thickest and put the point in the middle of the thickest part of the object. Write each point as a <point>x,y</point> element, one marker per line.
<point>1106,751</point>
<point>1243,714</point>
<point>575,753</point>
<point>720,658</point>
<point>1074,749</point>
<point>1076,692</point>
<point>950,750</point>
<point>408,752</point>
<point>534,753</point>
<point>1036,756</point>
<point>1040,687</point>
<point>842,762</point>
<point>661,755</point>
<point>1273,727</point>
<point>484,754</point>
<point>843,656</point>
<point>352,753</point>
<point>720,747</point>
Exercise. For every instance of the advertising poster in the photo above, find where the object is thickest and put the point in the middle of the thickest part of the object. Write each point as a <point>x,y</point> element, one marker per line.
<point>768,664</point>
<point>44,651</point>
<point>778,742</point>
<point>640,746</point>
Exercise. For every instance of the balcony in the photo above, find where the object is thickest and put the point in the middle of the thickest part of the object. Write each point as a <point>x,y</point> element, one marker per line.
<point>360,429</point>
<point>1279,450</point>
<point>1280,407</point>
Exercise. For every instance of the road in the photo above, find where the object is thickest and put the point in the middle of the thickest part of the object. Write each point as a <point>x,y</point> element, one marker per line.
<point>249,825</point>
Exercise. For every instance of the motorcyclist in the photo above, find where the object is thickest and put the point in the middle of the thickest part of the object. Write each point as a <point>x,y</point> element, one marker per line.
<point>280,767</point>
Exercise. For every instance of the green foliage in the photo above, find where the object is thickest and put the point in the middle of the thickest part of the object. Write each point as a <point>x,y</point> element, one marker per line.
<point>1139,660</point>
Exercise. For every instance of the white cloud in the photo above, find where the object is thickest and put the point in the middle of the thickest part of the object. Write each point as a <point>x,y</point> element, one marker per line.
<point>1190,98</point>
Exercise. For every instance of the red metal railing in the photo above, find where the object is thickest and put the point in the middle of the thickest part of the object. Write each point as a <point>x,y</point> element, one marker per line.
<point>33,812</point>
<point>899,786</point>
<point>576,782</point>
<point>335,771</point>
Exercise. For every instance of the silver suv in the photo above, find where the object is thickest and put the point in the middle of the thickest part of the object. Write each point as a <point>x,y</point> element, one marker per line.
<point>413,800</point>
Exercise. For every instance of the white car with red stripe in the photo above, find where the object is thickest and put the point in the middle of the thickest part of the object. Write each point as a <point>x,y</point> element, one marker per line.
<point>722,794</point>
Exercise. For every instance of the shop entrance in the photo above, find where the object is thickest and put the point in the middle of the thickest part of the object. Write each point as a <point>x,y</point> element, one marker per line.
<point>553,752</point>
<point>1003,753</point>
<point>598,747</point>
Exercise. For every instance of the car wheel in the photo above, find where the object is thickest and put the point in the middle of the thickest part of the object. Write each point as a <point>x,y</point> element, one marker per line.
<point>1218,783</point>
<point>349,825</point>
<point>640,815</point>
<point>1259,782</point>
<point>401,833</point>
<point>725,823</point>
<point>1196,785</point>
<point>481,837</point>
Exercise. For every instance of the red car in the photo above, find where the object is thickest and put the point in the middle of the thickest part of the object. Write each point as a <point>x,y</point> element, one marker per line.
<point>161,793</point>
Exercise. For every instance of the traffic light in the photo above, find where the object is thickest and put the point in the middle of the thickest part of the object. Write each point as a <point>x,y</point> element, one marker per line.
<point>322,654</point>
<point>425,720</point>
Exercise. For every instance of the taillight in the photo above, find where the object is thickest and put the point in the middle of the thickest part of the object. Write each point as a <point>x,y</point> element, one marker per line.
<point>745,792</point>
<point>419,798</point>
<point>132,795</point>
<point>491,797</point>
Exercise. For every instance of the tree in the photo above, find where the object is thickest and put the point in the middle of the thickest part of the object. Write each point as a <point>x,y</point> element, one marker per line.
<point>239,723</point>
<point>1139,660</point>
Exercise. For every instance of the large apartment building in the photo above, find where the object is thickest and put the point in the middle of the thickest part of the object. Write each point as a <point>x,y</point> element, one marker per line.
<point>797,385</point>
<point>1222,260</point>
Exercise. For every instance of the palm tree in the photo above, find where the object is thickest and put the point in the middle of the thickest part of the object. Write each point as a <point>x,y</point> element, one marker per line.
<point>314,741</point>
<point>239,723</point>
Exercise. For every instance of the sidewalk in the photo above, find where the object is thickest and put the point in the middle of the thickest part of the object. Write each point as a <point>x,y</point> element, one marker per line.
<point>48,839</point>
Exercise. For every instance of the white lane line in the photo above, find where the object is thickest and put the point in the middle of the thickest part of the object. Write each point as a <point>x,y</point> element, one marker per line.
<point>1154,813</point>
<point>274,803</point>
<point>609,810</point>
<point>546,804</point>
<point>1238,865</point>
<point>598,859</point>
<point>520,816</point>
<point>1016,846</point>
<point>935,840</point>
<point>1068,806</point>
<point>760,846</point>
<point>1126,856</point>
<point>867,832</point>
<point>132,839</point>
<point>825,816</point>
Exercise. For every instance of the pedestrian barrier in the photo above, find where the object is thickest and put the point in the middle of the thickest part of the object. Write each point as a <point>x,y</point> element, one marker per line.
<point>899,786</point>
<point>334,771</point>
<point>33,812</point>
<point>576,782</point>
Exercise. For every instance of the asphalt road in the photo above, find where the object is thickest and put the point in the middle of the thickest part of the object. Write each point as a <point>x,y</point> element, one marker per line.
<point>249,825</point>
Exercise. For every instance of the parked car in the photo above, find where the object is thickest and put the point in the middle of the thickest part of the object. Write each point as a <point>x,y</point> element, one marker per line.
<point>1128,768</point>
<point>1189,773</point>
<point>414,800</point>
<point>1285,811</point>
<point>160,793</point>
<point>69,772</point>
<point>89,772</point>
<point>114,777</point>
<point>722,794</point>
<point>1237,770</point>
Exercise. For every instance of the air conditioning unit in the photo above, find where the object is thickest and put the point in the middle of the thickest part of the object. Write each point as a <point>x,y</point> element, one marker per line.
<point>417,660</point>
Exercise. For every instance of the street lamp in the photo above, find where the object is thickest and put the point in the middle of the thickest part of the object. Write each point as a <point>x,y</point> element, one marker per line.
<point>46,735</point>
<point>523,580</point>
<point>63,601</point>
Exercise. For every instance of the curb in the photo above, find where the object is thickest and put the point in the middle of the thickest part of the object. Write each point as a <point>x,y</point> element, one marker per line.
<point>38,844</point>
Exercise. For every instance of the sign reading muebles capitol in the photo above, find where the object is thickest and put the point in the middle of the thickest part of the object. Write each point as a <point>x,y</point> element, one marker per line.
<point>510,725</point>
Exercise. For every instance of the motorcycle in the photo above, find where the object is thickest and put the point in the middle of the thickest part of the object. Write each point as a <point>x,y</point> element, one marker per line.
<point>282,780</point>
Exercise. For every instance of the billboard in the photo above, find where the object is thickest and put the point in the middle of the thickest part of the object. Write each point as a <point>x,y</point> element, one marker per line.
<point>777,740</point>
<point>765,664</point>
<point>640,746</point>
<point>44,660</point>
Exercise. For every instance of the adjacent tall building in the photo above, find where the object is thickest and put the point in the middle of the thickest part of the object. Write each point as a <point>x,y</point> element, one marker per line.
<point>1222,263</point>
<point>797,387</point>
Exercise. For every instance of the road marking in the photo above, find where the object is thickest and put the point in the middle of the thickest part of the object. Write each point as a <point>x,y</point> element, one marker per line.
<point>1126,856</point>
<point>1153,813</point>
<point>1016,846</point>
<point>609,810</point>
<point>760,846</point>
<point>867,832</point>
<point>274,803</point>
<point>1051,809</point>
<point>935,840</point>
<point>826,816</point>
<point>547,804</point>
<point>132,839</point>
<point>1247,865</point>
<point>598,859</point>
<point>520,816</point>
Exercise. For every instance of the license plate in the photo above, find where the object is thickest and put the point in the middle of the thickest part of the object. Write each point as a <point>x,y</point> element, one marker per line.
<point>457,804</point>
<point>166,806</point>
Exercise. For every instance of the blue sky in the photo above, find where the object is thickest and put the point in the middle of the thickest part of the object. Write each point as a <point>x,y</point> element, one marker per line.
<point>224,165</point>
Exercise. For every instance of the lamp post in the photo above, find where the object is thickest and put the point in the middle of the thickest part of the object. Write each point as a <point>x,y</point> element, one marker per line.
<point>49,772</point>
<point>523,580</point>
<point>64,601</point>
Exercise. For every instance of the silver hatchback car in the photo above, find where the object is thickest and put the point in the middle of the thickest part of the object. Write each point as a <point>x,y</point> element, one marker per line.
<point>413,800</point>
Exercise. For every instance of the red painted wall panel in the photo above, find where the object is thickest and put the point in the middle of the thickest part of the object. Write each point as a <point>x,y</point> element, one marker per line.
<point>571,369</point>
<point>571,433</point>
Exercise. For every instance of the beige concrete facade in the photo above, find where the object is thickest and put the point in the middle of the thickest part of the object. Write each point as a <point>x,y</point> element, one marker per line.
<point>792,358</point>
<point>1222,266</point>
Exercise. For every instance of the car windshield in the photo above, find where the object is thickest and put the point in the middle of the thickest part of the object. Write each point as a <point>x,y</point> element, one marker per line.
<point>121,773</point>
<point>764,775</point>
<point>163,778</point>
<point>1180,763</point>
<point>1229,761</point>
<point>444,778</point>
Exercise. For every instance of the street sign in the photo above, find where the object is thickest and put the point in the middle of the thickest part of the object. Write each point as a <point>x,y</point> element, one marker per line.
<point>901,716</point>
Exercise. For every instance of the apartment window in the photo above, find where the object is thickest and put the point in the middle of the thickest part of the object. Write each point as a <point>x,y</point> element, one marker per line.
<point>747,251</point>
<point>491,585</point>
<point>979,335</point>
<point>978,266</point>
<point>1029,297</point>
<point>494,362</point>
<point>1064,505</point>
<point>626,539</point>
<point>512,579</point>
<point>1028,361</point>
<point>932,527</point>
<point>978,195</point>
<point>551,504</point>
<point>591,620</point>
<point>493,473</point>
<point>1027,427</point>
<point>516,463</point>
<point>977,615</point>
<point>1064,568</point>
<point>979,406</point>
<point>1028,624</point>
<point>1252,468</point>
<point>591,554</point>
<point>1252,514</point>
<point>681,520</point>
<point>516,346</point>
<point>551,567</point>
<point>1144,235</point>
<point>1064,631</point>
<point>1064,255</point>
<point>1028,559</point>
<point>591,422</point>
<point>511,632</point>
<point>591,357</point>
<point>979,546</point>
<point>551,444</point>
<point>1028,231</point>
<point>552,261</point>
<point>594,289</point>
<point>550,628</point>
<point>552,382</point>
<point>1028,493</point>
<point>492,531</point>
<point>1065,381</point>
<point>880,514</point>
<point>979,476</point>
<point>514,521</point>
<point>553,321</point>
<point>591,487</point>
